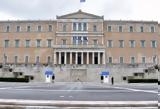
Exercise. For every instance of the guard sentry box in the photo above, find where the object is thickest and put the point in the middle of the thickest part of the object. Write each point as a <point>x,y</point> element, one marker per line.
<point>49,75</point>
<point>104,77</point>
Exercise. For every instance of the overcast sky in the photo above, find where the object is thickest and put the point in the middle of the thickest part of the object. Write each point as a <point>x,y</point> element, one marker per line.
<point>111,9</point>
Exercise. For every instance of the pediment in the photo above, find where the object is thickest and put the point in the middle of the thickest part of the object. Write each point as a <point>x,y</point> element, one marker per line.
<point>79,15</point>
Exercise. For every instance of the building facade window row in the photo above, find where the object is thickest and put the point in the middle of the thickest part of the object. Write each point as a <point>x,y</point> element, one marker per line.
<point>133,60</point>
<point>132,44</point>
<point>29,28</point>
<point>121,60</point>
<point>27,43</point>
<point>80,40</point>
<point>16,60</point>
<point>79,26</point>
<point>132,29</point>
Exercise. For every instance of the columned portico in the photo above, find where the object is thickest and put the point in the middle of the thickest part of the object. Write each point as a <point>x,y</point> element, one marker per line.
<point>79,57</point>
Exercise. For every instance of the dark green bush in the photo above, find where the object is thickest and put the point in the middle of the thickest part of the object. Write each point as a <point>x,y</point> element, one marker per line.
<point>143,81</point>
<point>14,80</point>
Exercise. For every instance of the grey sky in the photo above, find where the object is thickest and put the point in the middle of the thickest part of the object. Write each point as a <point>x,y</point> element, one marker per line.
<point>111,9</point>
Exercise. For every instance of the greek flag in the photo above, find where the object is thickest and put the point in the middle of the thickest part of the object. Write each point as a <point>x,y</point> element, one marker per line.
<point>82,1</point>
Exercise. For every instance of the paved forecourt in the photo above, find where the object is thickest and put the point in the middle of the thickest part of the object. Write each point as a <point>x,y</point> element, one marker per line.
<point>78,92</point>
<point>77,96</point>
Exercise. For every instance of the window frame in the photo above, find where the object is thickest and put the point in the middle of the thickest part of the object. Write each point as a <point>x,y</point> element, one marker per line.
<point>110,43</point>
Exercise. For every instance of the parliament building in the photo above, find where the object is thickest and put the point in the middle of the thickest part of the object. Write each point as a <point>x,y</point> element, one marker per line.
<point>80,45</point>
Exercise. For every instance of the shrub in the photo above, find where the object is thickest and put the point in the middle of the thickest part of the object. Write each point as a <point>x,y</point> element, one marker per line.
<point>143,81</point>
<point>14,80</point>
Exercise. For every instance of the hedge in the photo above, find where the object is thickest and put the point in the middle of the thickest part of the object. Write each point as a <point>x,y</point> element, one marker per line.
<point>14,80</point>
<point>158,82</point>
<point>143,81</point>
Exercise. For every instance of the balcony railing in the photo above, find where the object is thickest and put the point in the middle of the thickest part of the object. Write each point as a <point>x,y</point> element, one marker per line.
<point>78,46</point>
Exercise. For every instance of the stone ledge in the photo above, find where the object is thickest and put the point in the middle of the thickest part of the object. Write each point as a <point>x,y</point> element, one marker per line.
<point>20,102</point>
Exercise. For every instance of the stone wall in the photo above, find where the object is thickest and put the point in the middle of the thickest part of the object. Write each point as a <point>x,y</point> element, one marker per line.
<point>83,73</point>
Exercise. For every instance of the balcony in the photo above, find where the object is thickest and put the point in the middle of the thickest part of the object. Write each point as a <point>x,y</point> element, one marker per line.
<point>78,46</point>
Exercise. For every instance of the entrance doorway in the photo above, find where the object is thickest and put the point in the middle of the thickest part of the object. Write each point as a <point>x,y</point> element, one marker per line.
<point>79,59</point>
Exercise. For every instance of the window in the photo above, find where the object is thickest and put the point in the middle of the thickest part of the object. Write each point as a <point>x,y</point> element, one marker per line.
<point>154,59</point>
<point>18,28</point>
<point>131,29</point>
<point>79,27</point>
<point>79,40</point>
<point>49,60</point>
<point>94,28</point>
<point>37,60</point>
<point>64,28</point>
<point>39,28</point>
<point>6,43</point>
<point>26,59</point>
<point>49,43</point>
<point>64,41</point>
<point>153,44</point>
<point>5,59</point>
<point>143,60</point>
<point>85,40</point>
<point>17,43</point>
<point>121,43</point>
<point>152,29</point>
<point>27,44</point>
<point>143,43</point>
<point>16,59</point>
<point>74,26</point>
<point>109,29</point>
<point>110,43</point>
<point>120,29</point>
<point>110,59</point>
<point>121,60</point>
<point>50,28</point>
<point>132,43</point>
<point>95,42</point>
<point>132,60</point>
<point>28,28</point>
<point>74,40</point>
<point>38,43</point>
<point>7,29</point>
<point>84,26</point>
<point>142,30</point>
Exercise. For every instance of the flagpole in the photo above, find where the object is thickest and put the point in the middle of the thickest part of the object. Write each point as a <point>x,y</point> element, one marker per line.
<point>82,3</point>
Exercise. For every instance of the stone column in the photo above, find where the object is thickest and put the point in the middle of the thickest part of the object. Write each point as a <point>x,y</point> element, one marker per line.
<point>103,59</point>
<point>55,59</point>
<point>82,57</point>
<point>65,57</point>
<point>92,57</point>
<point>87,57</point>
<point>76,60</point>
<point>59,57</point>
<point>70,57</point>
<point>99,58</point>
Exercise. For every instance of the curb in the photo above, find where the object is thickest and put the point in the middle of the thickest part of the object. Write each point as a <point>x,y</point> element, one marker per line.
<point>20,102</point>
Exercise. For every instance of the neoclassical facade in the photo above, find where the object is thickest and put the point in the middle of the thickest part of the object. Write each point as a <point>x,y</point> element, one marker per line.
<point>79,38</point>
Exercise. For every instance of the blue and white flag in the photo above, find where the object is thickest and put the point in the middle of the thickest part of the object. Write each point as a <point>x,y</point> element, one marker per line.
<point>82,1</point>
